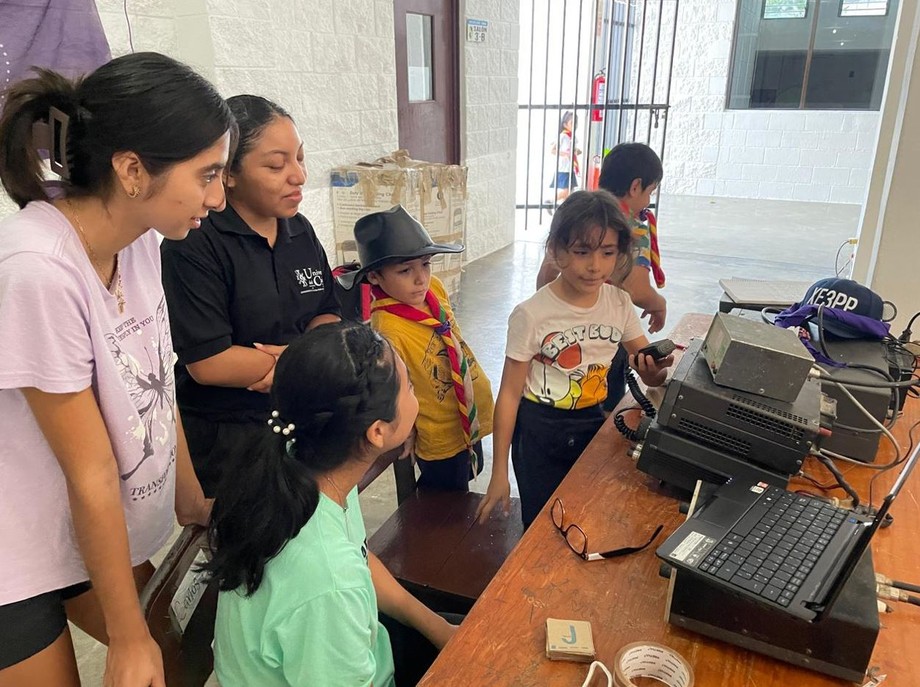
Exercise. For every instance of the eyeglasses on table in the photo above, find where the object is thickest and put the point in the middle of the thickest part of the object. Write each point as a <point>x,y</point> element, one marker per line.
<point>577,540</point>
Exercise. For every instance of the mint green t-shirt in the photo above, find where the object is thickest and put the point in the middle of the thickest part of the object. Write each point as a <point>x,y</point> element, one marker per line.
<point>313,620</point>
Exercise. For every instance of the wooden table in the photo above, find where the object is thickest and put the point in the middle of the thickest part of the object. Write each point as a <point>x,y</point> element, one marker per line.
<point>502,641</point>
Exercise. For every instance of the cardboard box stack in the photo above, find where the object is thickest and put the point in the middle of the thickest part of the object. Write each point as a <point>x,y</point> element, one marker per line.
<point>435,194</point>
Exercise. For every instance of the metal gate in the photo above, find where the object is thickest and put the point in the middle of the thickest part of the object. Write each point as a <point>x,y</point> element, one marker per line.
<point>606,65</point>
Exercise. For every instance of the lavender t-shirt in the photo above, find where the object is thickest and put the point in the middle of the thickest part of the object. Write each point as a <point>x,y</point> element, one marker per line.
<point>61,332</point>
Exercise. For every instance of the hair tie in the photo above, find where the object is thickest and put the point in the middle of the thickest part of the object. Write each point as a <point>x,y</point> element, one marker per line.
<point>278,426</point>
<point>52,136</point>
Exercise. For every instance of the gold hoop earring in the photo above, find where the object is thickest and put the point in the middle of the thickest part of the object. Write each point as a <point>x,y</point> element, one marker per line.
<point>135,192</point>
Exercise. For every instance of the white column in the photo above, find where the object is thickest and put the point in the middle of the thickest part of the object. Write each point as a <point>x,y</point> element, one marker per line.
<point>888,254</point>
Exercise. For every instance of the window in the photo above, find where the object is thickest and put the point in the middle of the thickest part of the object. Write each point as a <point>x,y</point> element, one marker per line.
<point>811,54</point>
<point>785,9</point>
<point>863,8</point>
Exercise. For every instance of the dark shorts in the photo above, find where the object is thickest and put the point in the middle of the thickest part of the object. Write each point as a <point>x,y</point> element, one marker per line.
<point>412,653</point>
<point>562,181</point>
<point>31,625</point>
<point>449,474</point>
<point>545,445</point>
<point>214,444</point>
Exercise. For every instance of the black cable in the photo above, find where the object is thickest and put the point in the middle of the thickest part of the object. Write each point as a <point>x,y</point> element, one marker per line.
<point>633,383</point>
<point>838,270</point>
<point>645,405</point>
<point>841,480</point>
<point>905,335</point>
<point>906,586</point>
<point>622,427</point>
<point>913,600</point>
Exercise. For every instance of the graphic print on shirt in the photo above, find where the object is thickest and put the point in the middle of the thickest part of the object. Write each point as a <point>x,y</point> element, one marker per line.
<point>151,385</point>
<point>563,378</point>
<point>436,364</point>
<point>310,279</point>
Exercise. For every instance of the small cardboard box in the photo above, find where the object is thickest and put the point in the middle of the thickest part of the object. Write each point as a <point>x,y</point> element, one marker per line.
<point>435,194</point>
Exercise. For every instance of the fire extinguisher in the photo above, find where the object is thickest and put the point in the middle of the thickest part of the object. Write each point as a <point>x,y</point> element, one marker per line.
<point>594,179</point>
<point>599,96</point>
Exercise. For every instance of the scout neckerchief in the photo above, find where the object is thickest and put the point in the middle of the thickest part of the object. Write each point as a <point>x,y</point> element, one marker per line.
<point>648,217</point>
<point>459,366</point>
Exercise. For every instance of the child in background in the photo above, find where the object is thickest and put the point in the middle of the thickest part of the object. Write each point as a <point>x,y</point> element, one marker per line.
<point>564,148</point>
<point>300,592</point>
<point>412,310</point>
<point>560,344</point>
<point>632,173</point>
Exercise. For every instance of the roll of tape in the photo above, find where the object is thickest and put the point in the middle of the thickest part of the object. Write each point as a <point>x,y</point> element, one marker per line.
<point>648,659</point>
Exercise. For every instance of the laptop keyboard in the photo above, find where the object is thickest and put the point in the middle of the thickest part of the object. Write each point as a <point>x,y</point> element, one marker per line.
<point>771,550</point>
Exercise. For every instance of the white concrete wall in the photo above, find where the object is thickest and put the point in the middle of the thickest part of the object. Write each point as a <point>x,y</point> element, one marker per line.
<point>488,84</point>
<point>788,155</point>
<point>332,64</point>
<point>886,257</point>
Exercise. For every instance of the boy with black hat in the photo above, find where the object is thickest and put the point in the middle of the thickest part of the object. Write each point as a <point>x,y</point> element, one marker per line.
<point>412,310</point>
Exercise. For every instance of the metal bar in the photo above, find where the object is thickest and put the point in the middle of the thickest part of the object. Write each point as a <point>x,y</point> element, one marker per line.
<point>667,97</point>
<point>533,12</point>
<point>589,143</point>
<point>639,70</point>
<point>625,37</point>
<point>559,118</point>
<point>655,68</point>
<point>810,53</point>
<point>612,105</point>
<point>581,7</point>
<point>732,61</point>
<point>607,50</point>
<point>545,89</point>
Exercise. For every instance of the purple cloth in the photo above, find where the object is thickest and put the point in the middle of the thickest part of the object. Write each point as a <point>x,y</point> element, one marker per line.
<point>856,326</point>
<point>63,35</point>
<point>61,332</point>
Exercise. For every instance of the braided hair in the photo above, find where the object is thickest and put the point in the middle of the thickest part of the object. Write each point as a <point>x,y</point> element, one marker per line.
<point>331,385</point>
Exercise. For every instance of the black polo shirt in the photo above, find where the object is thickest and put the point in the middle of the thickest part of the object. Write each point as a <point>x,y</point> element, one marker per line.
<point>226,286</point>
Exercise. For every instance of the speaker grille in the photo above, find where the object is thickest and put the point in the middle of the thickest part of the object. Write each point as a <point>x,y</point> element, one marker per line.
<point>716,439</point>
<point>764,417</point>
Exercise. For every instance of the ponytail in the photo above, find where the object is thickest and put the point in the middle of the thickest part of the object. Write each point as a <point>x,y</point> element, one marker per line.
<point>146,103</point>
<point>29,102</point>
<point>331,384</point>
<point>264,500</point>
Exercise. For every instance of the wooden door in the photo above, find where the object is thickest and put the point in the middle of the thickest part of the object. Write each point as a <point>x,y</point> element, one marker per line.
<point>427,82</point>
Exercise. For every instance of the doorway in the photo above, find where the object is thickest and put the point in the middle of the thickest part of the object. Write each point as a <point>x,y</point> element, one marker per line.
<point>427,79</point>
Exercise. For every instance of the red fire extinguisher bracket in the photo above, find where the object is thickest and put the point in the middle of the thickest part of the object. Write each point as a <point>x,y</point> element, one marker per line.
<point>599,96</point>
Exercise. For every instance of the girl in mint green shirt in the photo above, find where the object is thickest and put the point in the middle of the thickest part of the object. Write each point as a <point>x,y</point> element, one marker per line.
<point>300,591</point>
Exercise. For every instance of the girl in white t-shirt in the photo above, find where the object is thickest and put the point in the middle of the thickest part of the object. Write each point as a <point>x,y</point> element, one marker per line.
<point>560,344</point>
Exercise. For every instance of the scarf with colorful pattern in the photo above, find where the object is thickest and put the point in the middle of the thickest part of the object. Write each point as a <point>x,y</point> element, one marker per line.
<point>459,368</point>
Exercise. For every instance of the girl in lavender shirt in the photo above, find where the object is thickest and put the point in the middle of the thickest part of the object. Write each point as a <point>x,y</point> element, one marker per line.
<point>93,462</point>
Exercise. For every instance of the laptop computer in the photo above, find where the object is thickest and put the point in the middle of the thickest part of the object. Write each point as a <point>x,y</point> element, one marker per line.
<point>789,551</point>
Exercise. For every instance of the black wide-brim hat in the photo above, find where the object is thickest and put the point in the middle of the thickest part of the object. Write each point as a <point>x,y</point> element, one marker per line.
<point>391,236</point>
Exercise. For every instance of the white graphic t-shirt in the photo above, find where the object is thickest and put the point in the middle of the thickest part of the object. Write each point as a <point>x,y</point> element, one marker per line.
<point>61,332</point>
<point>570,348</point>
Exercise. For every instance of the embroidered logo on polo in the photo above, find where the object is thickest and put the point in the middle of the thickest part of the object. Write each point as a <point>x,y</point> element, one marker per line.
<point>309,279</point>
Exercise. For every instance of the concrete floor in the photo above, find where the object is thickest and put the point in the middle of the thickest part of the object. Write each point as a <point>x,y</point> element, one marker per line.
<point>702,240</point>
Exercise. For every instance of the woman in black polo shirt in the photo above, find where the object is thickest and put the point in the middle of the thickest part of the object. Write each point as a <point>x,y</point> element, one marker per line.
<point>243,286</point>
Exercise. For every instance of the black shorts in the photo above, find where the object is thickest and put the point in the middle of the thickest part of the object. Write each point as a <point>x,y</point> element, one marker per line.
<point>31,625</point>
<point>449,474</point>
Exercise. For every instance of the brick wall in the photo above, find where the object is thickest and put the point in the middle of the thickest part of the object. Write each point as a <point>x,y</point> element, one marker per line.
<point>788,155</point>
<point>489,73</point>
<point>331,63</point>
